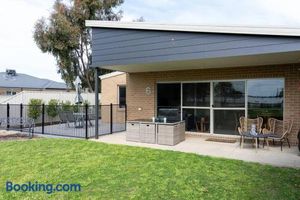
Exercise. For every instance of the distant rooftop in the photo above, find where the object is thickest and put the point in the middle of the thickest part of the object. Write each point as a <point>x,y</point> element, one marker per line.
<point>252,30</point>
<point>12,79</point>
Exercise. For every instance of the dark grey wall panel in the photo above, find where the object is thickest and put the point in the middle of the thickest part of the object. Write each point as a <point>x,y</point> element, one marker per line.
<point>123,47</point>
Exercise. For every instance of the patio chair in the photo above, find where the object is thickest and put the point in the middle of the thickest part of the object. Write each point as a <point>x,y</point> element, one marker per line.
<point>202,125</point>
<point>70,117</point>
<point>62,118</point>
<point>245,127</point>
<point>278,131</point>
<point>66,117</point>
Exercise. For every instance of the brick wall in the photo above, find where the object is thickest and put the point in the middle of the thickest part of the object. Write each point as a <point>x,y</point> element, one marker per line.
<point>142,105</point>
<point>109,94</point>
<point>109,89</point>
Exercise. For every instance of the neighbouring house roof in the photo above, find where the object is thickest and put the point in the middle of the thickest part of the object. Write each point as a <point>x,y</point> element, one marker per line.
<point>252,30</point>
<point>112,74</point>
<point>26,81</point>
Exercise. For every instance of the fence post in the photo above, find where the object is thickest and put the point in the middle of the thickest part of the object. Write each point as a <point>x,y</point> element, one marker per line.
<point>125,117</point>
<point>111,118</point>
<point>86,121</point>
<point>43,118</point>
<point>7,115</point>
<point>21,117</point>
<point>97,74</point>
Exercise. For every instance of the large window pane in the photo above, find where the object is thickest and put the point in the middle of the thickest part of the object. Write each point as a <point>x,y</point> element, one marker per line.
<point>227,121</point>
<point>265,98</point>
<point>196,94</point>
<point>197,119</point>
<point>168,101</point>
<point>122,96</point>
<point>229,94</point>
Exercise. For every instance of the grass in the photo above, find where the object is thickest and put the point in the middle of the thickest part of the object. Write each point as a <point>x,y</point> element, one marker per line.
<point>120,172</point>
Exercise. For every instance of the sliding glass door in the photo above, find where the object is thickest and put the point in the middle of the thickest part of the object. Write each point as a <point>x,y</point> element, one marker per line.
<point>196,106</point>
<point>228,106</point>
<point>216,106</point>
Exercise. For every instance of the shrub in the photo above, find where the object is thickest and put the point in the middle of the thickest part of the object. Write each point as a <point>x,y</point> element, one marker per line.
<point>66,106</point>
<point>35,108</point>
<point>52,108</point>
<point>86,102</point>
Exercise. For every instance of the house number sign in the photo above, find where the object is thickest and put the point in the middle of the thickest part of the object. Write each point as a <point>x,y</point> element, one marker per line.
<point>148,90</point>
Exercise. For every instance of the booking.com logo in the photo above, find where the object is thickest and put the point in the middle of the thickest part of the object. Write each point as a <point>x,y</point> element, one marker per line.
<point>42,187</point>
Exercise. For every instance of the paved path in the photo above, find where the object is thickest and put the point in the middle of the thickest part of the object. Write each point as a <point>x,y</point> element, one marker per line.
<point>196,144</point>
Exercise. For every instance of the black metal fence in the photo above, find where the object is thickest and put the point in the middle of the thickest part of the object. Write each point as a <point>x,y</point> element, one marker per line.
<point>64,120</point>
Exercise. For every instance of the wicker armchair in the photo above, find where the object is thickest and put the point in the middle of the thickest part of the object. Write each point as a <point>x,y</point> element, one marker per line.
<point>245,127</point>
<point>278,130</point>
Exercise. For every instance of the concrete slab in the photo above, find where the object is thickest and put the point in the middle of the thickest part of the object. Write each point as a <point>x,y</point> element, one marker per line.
<point>289,157</point>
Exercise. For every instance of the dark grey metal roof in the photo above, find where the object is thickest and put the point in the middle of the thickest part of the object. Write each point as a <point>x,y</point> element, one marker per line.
<point>27,81</point>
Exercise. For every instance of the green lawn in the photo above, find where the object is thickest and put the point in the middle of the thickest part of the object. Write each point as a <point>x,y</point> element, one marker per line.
<point>120,172</point>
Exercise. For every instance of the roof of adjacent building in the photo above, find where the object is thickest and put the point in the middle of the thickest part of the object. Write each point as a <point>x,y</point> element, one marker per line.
<point>252,30</point>
<point>26,81</point>
<point>112,74</point>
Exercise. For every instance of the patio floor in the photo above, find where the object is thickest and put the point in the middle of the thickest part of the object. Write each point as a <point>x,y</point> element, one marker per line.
<point>289,157</point>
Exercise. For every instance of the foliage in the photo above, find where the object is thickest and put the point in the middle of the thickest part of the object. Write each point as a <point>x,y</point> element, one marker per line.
<point>75,108</point>
<point>65,36</point>
<point>86,102</point>
<point>66,106</point>
<point>122,172</point>
<point>35,108</point>
<point>52,108</point>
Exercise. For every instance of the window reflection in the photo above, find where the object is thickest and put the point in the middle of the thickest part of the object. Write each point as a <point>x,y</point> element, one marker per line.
<point>227,121</point>
<point>196,94</point>
<point>229,94</point>
<point>265,98</point>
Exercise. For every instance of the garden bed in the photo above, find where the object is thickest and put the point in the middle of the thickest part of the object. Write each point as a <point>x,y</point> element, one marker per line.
<point>13,135</point>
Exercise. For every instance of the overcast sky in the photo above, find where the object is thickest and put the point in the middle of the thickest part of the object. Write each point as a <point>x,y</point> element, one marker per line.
<point>17,17</point>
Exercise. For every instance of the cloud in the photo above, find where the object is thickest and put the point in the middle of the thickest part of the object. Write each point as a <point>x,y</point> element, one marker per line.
<point>17,18</point>
<point>218,12</point>
<point>18,49</point>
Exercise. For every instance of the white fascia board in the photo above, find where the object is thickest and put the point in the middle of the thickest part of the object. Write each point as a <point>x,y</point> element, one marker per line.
<point>278,31</point>
<point>112,74</point>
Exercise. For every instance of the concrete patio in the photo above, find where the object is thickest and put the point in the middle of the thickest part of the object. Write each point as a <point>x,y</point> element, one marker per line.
<point>289,157</point>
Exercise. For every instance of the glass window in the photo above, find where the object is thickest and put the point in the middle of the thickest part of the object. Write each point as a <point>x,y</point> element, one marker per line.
<point>197,119</point>
<point>265,98</point>
<point>168,101</point>
<point>229,94</point>
<point>122,96</point>
<point>196,94</point>
<point>227,121</point>
<point>10,92</point>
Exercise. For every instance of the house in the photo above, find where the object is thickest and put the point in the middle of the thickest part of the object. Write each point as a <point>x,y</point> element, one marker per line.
<point>208,76</point>
<point>12,83</point>
<point>113,86</point>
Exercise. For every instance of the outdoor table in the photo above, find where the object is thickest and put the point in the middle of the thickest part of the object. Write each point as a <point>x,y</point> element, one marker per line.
<point>79,120</point>
<point>256,138</point>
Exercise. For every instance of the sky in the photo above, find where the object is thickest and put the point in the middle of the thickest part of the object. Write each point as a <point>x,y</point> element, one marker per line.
<point>17,18</point>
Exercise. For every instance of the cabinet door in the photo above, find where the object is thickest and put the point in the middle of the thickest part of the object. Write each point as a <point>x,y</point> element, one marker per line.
<point>147,133</point>
<point>133,132</point>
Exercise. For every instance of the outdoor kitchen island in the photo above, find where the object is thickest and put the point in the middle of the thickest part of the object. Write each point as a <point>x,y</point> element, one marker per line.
<point>147,131</point>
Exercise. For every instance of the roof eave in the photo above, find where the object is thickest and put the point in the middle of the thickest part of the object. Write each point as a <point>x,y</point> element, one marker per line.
<point>276,31</point>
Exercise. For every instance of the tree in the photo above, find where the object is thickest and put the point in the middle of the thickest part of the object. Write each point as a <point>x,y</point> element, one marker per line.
<point>65,36</point>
